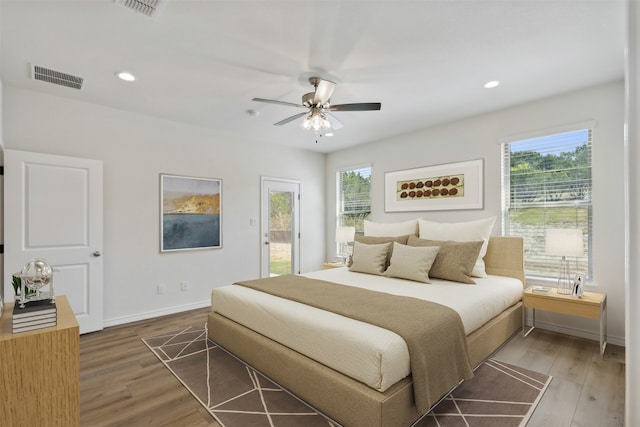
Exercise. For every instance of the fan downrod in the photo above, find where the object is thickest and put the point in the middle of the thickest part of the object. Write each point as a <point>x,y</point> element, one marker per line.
<point>315,81</point>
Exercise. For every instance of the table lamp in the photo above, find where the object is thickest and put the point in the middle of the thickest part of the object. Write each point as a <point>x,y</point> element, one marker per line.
<point>564,242</point>
<point>344,236</point>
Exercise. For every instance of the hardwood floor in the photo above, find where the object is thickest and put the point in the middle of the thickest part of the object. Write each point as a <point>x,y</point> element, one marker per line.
<point>586,390</point>
<point>123,384</point>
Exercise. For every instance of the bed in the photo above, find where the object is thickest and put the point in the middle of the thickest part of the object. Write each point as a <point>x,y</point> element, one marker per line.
<point>330,387</point>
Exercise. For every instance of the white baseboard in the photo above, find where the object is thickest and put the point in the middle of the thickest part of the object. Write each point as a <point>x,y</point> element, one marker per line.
<point>156,313</point>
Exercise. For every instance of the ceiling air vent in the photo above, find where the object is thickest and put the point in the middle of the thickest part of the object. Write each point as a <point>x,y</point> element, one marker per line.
<point>150,8</point>
<point>56,77</point>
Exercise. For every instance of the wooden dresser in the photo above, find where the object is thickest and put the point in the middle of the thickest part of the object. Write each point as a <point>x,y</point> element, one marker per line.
<point>40,372</point>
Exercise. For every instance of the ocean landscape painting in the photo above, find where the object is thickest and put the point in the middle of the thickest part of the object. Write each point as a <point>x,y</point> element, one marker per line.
<point>191,213</point>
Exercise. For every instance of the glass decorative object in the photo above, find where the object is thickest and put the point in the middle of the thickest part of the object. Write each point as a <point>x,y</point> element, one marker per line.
<point>36,275</point>
<point>578,284</point>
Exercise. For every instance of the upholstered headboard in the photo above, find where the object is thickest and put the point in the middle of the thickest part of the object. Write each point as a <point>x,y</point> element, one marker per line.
<point>505,257</point>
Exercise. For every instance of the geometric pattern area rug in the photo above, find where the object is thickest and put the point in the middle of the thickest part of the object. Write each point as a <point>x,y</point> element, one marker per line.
<point>233,393</point>
<point>499,394</point>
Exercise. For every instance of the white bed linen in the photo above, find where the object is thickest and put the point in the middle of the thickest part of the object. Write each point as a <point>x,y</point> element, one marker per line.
<point>375,356</point>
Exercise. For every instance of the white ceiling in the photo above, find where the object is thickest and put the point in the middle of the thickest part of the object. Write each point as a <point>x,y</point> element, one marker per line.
<point>201,62</point>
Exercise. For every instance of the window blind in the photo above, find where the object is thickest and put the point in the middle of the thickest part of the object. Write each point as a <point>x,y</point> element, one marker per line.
<point>353,197</point>
<point>546,183</point>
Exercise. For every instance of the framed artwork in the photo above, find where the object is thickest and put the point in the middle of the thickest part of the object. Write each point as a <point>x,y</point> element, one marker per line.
<point>191,213</point>
<point>449,186</point>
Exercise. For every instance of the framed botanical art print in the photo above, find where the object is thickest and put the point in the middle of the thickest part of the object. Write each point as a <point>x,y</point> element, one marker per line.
<point>449,186</point>
<point>191,213</point>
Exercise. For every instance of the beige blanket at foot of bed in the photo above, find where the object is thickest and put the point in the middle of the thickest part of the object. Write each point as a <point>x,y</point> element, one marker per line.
<point>434,333</point>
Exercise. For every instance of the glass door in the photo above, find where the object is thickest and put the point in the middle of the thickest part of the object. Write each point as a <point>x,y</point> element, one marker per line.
<point>280,234</point>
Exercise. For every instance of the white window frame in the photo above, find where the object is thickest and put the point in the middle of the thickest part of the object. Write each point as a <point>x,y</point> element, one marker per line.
<point>586,263</point>
<point>339,201</point>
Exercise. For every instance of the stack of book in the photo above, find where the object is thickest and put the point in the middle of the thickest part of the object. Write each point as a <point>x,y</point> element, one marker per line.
<point>34,315</point>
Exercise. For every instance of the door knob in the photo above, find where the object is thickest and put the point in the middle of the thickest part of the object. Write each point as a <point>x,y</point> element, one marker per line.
<point>97,253</point>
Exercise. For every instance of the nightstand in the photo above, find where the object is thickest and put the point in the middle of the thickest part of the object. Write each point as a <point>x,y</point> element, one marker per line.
<point>592,305</point>
<point>328,265</point>
<point>40,378</point>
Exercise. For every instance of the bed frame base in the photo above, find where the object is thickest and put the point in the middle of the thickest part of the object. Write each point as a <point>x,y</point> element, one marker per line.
<point>347,401</point>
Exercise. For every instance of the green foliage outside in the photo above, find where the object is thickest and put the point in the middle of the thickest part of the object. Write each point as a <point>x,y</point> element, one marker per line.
<point>280,266</point>
<point>281,205</point>
<point>556,215</point>
<point>280,211</point>
<point>549,190</point>
<point>538,178</point>
<point>356,199</point>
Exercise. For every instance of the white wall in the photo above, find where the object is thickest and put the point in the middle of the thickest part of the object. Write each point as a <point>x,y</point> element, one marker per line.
<point>478,137</point>
<point>632,383</point>
<point>135,149</point>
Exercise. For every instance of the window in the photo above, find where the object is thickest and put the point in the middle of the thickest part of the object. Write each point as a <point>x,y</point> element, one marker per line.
<point>353,204</point>
<point>546,183</point>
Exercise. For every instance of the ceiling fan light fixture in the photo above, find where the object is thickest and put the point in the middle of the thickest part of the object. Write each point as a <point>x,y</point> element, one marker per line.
<point>316,121</point>
<point>318,116</point>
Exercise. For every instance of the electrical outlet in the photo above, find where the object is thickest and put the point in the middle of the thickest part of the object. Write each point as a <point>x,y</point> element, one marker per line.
<point>161,289</point>
<point>184,286</point>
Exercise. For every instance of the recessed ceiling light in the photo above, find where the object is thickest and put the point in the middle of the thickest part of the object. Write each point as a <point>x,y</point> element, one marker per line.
<point>126,76</point>
<point>328,134</point>
<point>491,84</point>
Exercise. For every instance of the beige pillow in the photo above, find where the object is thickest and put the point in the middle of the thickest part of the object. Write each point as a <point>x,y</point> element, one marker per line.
<point>370,259</point>
<point>375,240</point>
<point>378,229</point>
<point>411,262</point>
<point>470,231</point>
<point>455,260</point>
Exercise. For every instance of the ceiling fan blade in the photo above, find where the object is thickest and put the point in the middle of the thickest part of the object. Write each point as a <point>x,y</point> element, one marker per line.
<point>363,106</point>
<point>273,101</point>
<point>335,123</point>
<point>323,92</point>
<point>290,119</point>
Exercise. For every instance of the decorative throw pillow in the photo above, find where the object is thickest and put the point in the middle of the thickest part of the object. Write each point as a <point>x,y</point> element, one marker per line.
<point>370,259</point>
<point>396,229</point>
<point>411,262</point>
<point>375,240</point>
<point>455,260</point>
<point>470,231</point>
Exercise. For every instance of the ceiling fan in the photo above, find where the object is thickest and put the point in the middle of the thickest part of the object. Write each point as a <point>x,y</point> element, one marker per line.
<point>318,116</point>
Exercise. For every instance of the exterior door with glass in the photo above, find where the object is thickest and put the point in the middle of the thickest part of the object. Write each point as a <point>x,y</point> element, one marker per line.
<point>280,227</point>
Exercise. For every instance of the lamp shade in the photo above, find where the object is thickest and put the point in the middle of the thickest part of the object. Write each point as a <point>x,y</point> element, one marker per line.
<point>564,242</point>
<point>345,234</point>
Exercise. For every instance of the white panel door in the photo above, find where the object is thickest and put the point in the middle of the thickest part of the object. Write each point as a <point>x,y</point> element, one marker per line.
<point>53,210</point>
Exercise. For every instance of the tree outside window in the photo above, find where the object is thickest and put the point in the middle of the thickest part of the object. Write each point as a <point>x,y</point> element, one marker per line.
<point>547,184</point>
<point>353,202</point>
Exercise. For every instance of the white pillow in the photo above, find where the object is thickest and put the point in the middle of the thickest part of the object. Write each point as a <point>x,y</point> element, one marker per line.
<point>371,259</point>
<point>389,230</point>
<point>471,231</point>
<point>412,262</point>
